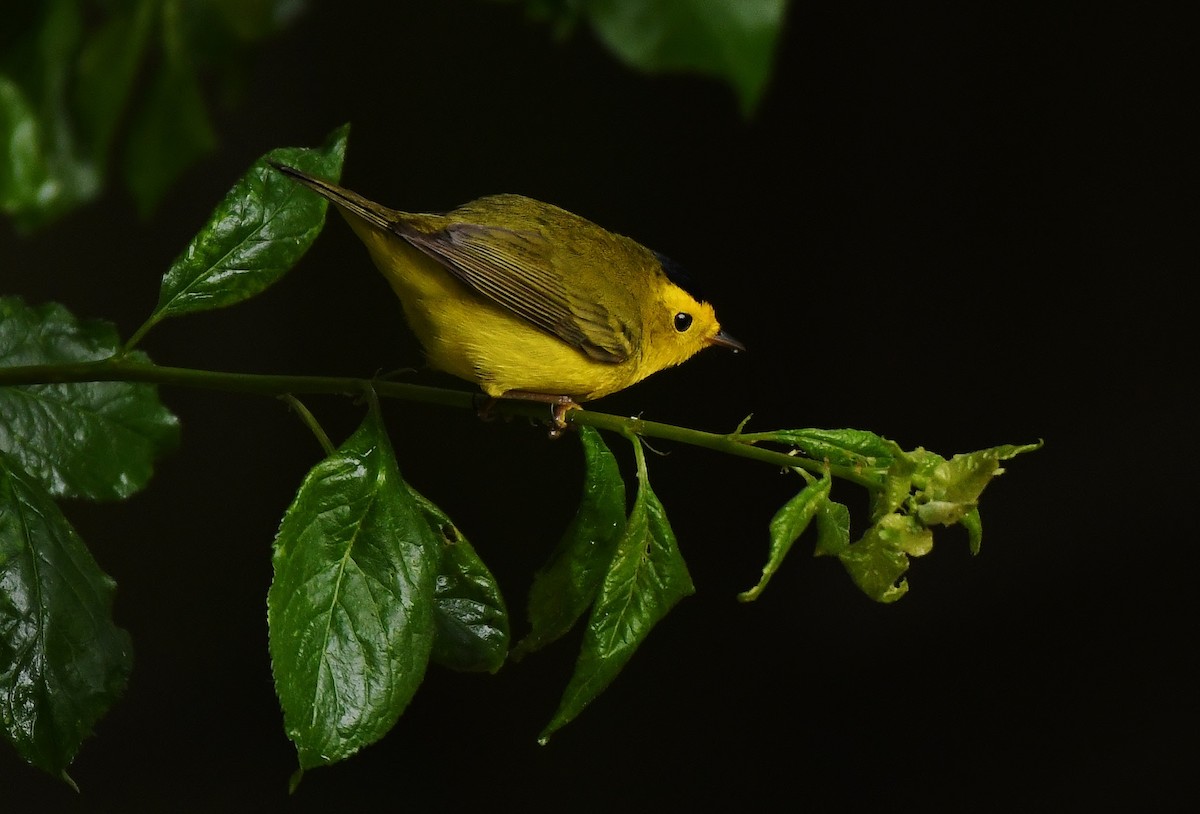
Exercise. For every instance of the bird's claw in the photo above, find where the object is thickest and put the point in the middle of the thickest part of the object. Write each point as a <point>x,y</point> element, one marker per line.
<point>558,417</point>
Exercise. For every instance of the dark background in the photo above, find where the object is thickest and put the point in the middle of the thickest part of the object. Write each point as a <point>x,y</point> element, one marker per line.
<point>955,227</point>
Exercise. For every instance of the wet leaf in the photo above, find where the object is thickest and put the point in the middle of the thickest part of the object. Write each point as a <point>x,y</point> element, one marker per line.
<point>351,608</point>
<point>257,233</point>
<point>95,440</point>
<point>469,615</point>
<point>844,447</point>
<point>63,662</point>
<point>645,580</point>
<point>566,585</point>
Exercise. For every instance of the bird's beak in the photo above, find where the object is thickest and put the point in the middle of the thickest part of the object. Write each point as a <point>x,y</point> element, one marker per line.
<point>726,341</point>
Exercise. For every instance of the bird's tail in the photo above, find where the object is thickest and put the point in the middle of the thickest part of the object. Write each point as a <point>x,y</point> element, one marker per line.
<point>351,203</point>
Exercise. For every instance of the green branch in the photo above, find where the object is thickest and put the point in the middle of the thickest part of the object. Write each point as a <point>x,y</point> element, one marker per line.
<point>130,369</point>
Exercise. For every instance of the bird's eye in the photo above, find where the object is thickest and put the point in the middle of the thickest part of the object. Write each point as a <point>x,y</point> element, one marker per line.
<point>683,321</point>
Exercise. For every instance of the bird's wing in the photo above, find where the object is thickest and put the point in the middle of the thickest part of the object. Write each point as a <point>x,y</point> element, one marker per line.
<point>514,268</point>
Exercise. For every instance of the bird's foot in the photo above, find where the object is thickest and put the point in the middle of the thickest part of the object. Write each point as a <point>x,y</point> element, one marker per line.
<point>559,407</point>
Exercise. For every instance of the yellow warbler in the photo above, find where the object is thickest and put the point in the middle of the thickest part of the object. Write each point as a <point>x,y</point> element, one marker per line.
<point>528,300</point>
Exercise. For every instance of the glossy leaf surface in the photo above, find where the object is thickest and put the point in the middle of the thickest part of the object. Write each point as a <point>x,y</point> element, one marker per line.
<point>646,578</point>
<point>565,586</point>
<point>842,447</point>
<point>255,235</point>
<point>471,630</point>
<point>788,524</point>
<point>351,607</point>
<point>95,440</point>
<point>63,662</point>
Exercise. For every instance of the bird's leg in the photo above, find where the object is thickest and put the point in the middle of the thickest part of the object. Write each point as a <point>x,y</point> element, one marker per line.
<point>483,407</point>
<point>559,407</point>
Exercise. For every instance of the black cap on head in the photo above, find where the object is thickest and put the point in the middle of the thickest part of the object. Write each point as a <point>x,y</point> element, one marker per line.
<point>676,274</point>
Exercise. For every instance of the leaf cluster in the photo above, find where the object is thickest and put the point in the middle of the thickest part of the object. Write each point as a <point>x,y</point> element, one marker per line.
<point>911,492</point>
<point>63,661</point>
<point>76,73</point>
<point>86,83</point>
<point>372,581</point>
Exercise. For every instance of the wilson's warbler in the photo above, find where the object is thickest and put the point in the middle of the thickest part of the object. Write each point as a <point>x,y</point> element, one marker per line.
<point>528,300</point>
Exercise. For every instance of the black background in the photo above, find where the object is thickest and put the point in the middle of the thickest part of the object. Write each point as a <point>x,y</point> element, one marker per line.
<point>957,227</point>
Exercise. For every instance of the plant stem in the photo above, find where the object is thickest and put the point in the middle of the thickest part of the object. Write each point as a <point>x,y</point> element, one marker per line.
<point>127,369</point>
<point>142,330</point>
<point>310,421</point>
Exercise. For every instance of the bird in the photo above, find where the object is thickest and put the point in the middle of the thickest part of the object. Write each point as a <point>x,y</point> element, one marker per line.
<point>527,300</point>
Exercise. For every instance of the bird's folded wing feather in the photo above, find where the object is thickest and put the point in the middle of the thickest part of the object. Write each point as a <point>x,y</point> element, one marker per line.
<point>514,269</point>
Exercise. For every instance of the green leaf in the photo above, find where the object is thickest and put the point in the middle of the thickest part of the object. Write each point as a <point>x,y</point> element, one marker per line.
<point>645,580</point>
<point>63,662</point>
<point>878,561</point>
<point>788,524</point>
<point>953,487</point>
<point>469,615</point>
<point>105,72</point>
<point>964,476</point>
<point>922,465</point>
<point>897,485</point>
<point>974,525</point>
<point>49,170</point>
<point>256,234</point>
<point>69,78</point>
<point>734,40</point>
<point>169,131</point>
<point>24,176</point>
<point>833,529</point>
<point>95,440</point>
<point>844,447</point>
<point>351,607</point>
<point>565,586</point>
